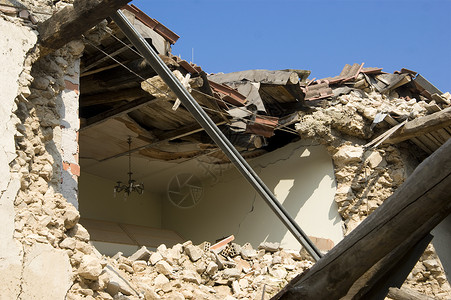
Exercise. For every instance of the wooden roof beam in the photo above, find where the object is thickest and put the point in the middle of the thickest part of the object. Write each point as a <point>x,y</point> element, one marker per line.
<point>402,217</point>
<point>72,21</point>
<point>116,112</point>
<point>170,135</point>
<point>112,96</point>
<point>113,50</point>
<point>421,126</point>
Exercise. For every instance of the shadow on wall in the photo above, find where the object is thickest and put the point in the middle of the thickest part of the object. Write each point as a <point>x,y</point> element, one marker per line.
<point>51,113</point>
<point>302,179</point>
<point>309,198</point>
<point>97,202</point>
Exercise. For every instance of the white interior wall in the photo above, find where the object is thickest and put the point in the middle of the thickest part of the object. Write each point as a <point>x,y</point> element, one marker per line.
<point>97,202</point>
<point>301,177</point>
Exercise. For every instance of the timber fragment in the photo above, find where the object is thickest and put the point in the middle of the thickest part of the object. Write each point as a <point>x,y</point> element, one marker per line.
<point>393,223</point>
<point>72,21</point>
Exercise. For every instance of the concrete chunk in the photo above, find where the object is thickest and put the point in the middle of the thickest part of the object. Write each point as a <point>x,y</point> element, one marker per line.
<point>194,252</point>
<point>47,274</point>
<point>191,276</point>
<point>155,257</point>
<point>232,273</point>
<point>71,216</point>
<point>212,268</point>
<point>90,267</point>
<point>163,267</point>
<point>141,254</point>
<point>117,283</point>
<point>269,247</point>
<point>160,280</point>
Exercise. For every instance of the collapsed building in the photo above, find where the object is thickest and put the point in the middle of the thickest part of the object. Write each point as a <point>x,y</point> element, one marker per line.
<point>331,150</point>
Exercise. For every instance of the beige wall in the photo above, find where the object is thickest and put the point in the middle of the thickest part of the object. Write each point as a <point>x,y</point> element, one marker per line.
<point>96,201</point>
<point>301,177</point>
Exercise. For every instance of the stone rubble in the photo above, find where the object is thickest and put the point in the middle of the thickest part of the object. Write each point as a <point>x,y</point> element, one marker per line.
<point>367,176</point>
<point>44,220</point>
<point>179,275</point>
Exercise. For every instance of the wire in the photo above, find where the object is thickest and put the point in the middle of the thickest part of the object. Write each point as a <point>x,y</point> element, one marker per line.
<point>140,55</point>
<point>169,96</point>
<point>122,42</point>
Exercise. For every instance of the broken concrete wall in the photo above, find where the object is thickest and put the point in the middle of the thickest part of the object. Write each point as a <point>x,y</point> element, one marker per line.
<point>16,41</point>
<point>35,107</point>
<point>39,164</point>
<point>367,176</point>
<point>301,177</point>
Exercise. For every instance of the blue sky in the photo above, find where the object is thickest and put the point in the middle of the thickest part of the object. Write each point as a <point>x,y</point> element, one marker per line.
<point>321,36</point>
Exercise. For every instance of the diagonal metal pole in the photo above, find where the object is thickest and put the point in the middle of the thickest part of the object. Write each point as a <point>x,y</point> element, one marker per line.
<point>213,131</point>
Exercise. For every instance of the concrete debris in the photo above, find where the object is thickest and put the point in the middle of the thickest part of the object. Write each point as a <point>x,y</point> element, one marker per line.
<point>200,274</point>
<point>90,267</point>
<point>141,254</point>
<point>194,252</point>
<point>367,176</point>
<point>41,226</point>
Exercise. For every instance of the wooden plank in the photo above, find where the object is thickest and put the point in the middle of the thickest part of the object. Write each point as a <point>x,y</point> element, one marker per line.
<point>438,137</point>
<point>392,270</point>
<point>72,21</point>
<point>169,136</point>
<point>444,134</point>
<point>431,137</point>
<point>394,222</point>
<point>101,69</point>
<point>428,143</point>
<point>420,144</point>
<point>121,77</point>
<point>422,125</point>
<point>208,102</point>
<point>111,97</point>
<point>112,113</point>
<point>114,50</point>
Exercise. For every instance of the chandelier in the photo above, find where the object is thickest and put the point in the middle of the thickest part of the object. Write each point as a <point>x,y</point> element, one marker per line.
<point>132,186</point>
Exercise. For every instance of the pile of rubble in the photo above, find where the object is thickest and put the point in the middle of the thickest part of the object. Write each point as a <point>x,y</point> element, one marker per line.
<point>186,271</point>
<point>354,111</point>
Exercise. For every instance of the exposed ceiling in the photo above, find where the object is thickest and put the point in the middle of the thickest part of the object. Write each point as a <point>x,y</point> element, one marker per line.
<point>121,97</point>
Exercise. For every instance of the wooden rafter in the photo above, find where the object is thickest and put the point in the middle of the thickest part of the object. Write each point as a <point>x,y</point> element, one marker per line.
<point>113,50</point>
<point>115,112</point>
<point>111,97</point>
<point>171,135</point>
<point>421,126</point>
<point>400,218</point>
<point>72,21</point>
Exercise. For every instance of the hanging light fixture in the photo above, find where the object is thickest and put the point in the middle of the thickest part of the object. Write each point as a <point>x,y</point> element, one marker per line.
<point>132,186</point>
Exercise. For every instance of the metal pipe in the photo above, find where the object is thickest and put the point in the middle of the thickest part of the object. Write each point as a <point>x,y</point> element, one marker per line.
<point>213,131</point>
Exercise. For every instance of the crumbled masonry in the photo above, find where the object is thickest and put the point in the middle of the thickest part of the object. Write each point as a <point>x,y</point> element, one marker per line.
<point>55,259</point>
<point>188,272</point>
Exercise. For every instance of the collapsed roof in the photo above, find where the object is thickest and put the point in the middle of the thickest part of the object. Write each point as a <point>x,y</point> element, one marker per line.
<point>122,96</point>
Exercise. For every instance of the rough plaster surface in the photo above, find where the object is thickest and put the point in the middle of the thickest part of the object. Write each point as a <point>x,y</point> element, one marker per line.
<point>47,273</point>
<point>16,41</point>
<point>14,44</point>
<point>10,250</point>
<point>70,125</point>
